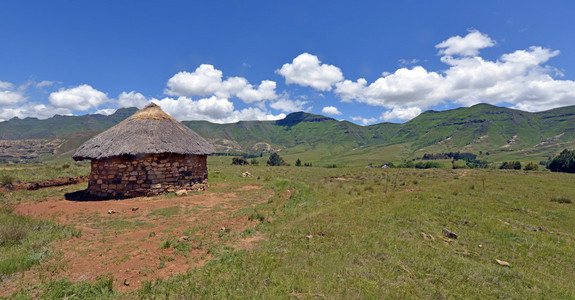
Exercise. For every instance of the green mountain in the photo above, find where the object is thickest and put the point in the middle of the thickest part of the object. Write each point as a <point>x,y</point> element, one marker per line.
<point>494,133</point>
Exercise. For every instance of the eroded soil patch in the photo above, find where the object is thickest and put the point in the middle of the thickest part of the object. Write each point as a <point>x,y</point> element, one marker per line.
<point>145,238</point>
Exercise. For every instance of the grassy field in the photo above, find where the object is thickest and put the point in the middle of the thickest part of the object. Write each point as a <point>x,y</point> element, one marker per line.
<point>364,233</point>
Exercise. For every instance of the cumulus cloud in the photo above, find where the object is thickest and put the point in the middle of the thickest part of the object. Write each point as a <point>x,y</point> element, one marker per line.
<point>401,113</point>
<point>287,105</point>
<point>214,109</point>
<point>83,97</point>
<point>331,110</point>
<point>34,110</point>
<point>520,78</point>
<point>364,121</point>
<point>9,95</point>
<point>468,45</point>
<point>307,70</point>
<point>207,80</point>
<point>132,99</point>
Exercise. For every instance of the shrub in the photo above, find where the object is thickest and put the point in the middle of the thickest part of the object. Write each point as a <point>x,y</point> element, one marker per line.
<point>239,161</point>
<point>561,199</point>
<point>11,234</point>
<point>254,162</point>
<point>510,165</point>
<point>6,179</point>
<point>531,166</point>
<point>428,165</point>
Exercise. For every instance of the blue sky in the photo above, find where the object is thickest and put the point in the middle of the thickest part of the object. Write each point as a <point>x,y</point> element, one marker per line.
<point>225,61</point>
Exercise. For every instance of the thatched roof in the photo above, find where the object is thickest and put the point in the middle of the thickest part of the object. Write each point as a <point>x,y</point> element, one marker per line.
<point>149,130</point>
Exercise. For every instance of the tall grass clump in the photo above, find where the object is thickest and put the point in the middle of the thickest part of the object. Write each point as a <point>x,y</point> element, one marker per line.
<point>25,242</point>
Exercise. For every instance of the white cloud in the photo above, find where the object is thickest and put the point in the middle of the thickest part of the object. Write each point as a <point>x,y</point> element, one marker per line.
<point>407,62</point>
<point>307,70</point>
<point>9,95</point>
<point>207,80</point>
<point>465,46</point>
<point>519,78</point>
<point>132,99</point>
<point>416,86</point>
<point>81,98</point>
<point>349,90</point>
<point>287,105</point>
<point>204,80</point>
<point>44,83</point>
<point>365,121</point>
<point>106,111</point>
<point>217,110</point>
<point>34,110</point>
<point>401,113</point>
<point>331,110</point>
<point>265,91</point>
<point>6,85</point>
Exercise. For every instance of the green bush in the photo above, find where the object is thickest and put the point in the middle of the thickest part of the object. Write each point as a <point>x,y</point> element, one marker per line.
<point>428,165</point>
<point>510,165</point>
<point>531,166</point>
<point>239,161</point>
<point>6,179</point>
<point>564,162</point>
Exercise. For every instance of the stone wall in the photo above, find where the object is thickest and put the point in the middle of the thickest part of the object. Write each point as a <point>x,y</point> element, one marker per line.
<point>147,175</point>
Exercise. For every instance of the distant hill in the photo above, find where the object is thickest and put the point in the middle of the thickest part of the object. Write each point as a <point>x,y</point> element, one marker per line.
<point>494,133</point>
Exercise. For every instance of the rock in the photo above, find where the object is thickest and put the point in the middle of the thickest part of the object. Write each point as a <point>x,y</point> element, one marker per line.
<point>126,282</point>
<point>448,233</point>
<point>246,174</point>
<point>503,263</point>
<point>111,211</point>
<point>183,239</point>
<point>135,208</point>
<point>309,237</point>
<point>181,193</point>
<point>542,228</point>
<point>427,237</point>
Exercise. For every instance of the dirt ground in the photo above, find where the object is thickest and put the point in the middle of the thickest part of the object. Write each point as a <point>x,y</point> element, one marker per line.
<point>127,238</point>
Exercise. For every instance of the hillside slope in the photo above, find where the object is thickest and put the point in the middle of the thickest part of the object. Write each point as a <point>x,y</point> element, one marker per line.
<point>496,133</point>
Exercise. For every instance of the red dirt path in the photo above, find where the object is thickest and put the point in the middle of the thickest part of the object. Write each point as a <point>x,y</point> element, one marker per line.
<point>117,236</point>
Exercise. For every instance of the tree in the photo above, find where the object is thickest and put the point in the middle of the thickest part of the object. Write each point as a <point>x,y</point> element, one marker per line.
<point>298,163</point>
<point>275,160</point>
<point>564,162</point>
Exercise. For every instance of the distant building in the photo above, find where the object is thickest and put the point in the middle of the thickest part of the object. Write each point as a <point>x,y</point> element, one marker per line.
<point>147,154</point>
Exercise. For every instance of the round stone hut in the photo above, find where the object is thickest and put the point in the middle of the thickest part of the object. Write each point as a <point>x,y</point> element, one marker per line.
<point>147,154</point>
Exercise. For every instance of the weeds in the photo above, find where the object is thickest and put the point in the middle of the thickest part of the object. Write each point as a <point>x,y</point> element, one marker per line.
<point>561,199</point>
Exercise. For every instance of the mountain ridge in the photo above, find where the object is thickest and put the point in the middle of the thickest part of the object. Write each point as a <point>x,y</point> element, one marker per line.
<point>483,128</point>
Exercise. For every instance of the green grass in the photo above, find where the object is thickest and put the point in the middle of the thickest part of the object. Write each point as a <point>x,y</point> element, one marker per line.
<point>165,212</point>
<point>378,234</point>
<point>25,242</point>
<point>353,240</point>
<point>39,172</point>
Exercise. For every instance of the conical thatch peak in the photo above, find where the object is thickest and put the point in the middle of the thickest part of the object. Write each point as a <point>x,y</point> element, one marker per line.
<point>151,111</point>
<point>149,130</point>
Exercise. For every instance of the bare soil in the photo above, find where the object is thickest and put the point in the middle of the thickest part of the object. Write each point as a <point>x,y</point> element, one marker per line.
<point>127,238</point>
